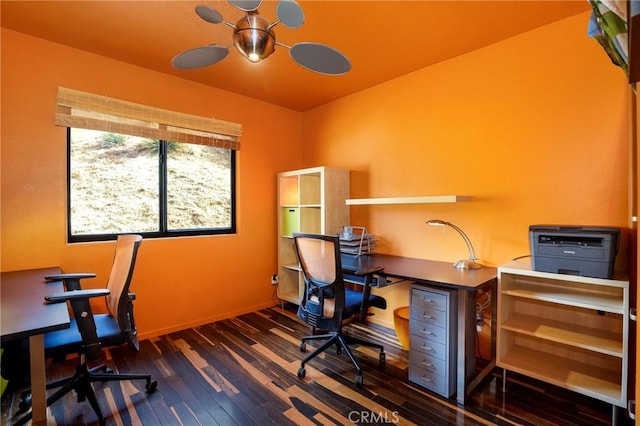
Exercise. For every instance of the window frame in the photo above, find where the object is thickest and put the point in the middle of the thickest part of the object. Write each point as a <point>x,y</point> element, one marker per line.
<point>163,232</point>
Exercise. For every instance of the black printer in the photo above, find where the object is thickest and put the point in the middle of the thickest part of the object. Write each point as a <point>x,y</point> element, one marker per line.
<point>576,250</point>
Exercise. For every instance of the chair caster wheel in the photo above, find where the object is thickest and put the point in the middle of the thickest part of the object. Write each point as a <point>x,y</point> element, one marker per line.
<point>25,404</point>
<point>359,380</point>
<point>303,347</point>
<point>382,360</point>
<point>302,372</point>
<point>151,387</point>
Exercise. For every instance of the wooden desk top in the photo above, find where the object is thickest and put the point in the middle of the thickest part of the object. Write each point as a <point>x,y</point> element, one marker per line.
<point>23,311</point>
<point>421,270</point>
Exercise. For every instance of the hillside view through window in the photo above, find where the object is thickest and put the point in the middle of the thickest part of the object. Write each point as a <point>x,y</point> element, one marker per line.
<point>124,184</point>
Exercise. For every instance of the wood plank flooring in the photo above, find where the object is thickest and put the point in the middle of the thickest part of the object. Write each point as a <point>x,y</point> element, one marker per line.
<point>243,371</point>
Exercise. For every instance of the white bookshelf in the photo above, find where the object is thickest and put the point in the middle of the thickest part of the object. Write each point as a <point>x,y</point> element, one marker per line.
<point>313,201</point>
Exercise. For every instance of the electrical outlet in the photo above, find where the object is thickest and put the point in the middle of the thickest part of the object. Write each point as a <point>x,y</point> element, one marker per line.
<point>274,279</point>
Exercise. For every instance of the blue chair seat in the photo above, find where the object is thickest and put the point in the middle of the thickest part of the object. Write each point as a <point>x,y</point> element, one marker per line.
<point>69,339</point>
<point>353,302</point>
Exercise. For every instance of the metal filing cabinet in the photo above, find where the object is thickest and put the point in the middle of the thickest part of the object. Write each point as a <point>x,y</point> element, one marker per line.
<point>432,353</point>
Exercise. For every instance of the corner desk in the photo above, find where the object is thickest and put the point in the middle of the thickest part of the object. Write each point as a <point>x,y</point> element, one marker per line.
<point>435,274</point>
<point>24,314</point>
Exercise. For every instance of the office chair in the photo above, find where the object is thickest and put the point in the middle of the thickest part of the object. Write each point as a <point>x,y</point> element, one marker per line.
<point>89,333</point>
<point>326,304</point>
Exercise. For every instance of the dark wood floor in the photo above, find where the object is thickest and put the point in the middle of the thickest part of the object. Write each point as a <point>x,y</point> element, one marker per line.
<point>242,371</point>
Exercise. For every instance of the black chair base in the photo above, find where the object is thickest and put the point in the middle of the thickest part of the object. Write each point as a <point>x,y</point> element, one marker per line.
<point>342,342</point>
<point>80,382</point>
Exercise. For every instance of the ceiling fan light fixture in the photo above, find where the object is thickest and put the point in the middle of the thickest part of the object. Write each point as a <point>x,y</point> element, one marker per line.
<point>253,37</point>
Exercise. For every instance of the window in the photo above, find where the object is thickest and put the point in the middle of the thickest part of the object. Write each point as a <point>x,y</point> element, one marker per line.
<point>130,175</point>
<point>122,184</point>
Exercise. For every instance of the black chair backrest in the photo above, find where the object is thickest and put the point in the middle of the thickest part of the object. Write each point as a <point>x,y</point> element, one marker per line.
<point>322,303</point>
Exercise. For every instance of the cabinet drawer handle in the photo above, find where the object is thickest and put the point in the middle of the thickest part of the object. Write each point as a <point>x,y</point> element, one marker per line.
<point>428,364</point>
<point>428,316</point>
<point>429,332</point>
<point>424,299</point>
<point>427,348</point>
<point>427,379</point>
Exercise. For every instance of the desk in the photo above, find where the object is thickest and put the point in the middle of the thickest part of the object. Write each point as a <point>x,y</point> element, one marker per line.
<point>442,274</point>
<point>24,314</point>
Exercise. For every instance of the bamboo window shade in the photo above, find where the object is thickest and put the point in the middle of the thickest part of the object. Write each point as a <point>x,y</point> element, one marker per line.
<point>89,111</point>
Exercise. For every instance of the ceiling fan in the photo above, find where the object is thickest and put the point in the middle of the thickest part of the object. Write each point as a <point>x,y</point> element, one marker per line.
<point>254,38</point>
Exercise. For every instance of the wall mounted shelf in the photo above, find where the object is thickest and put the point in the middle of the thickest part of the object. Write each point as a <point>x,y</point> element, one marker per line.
<point>408,200</point>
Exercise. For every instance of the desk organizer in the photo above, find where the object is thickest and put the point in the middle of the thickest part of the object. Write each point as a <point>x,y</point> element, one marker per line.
<point>356,240</point>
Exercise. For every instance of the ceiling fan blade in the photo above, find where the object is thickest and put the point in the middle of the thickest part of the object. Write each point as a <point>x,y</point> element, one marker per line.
<point>320,58</point>
<point>246,5</point>
<point>200,57</point>
<point>208,13</point>
<point>290,13</point>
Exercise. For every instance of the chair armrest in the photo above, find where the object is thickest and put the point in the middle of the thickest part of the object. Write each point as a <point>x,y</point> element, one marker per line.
<point>369,271</point>
<point>71,281</point>
<point>78,276</point>
<point>366,290</point>
<point>76,294</point>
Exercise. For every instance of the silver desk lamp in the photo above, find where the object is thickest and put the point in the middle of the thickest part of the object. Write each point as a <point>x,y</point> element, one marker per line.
<point>472,261</point>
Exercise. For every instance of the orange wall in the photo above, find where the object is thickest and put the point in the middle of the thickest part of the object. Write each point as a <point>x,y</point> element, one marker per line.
<point>534,128</point>
<point>179,281</point>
